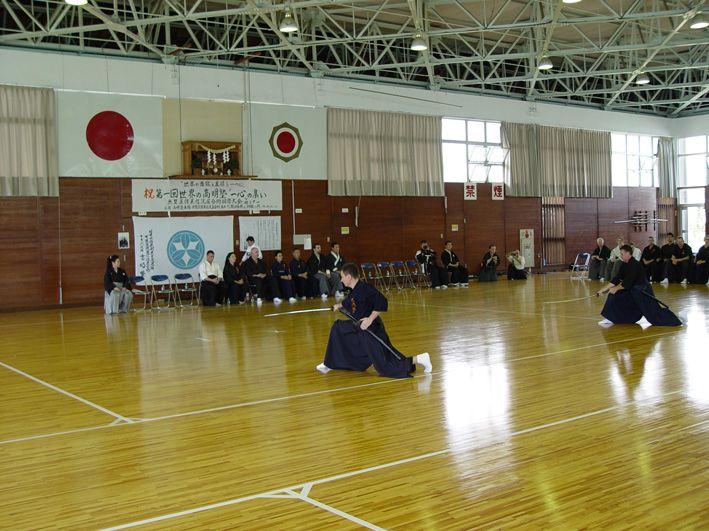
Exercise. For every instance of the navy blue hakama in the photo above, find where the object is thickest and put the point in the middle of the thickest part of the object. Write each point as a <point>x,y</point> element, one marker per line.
<point>352,349</point>
<point>630,305</point>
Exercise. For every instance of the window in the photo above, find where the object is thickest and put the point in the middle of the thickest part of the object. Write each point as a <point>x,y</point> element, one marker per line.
<point>633,160</point>
<point>693,160</point>
<point>472,151</point>
<point>693,176</point>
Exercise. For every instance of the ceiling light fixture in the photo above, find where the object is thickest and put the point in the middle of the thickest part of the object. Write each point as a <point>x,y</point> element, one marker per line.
<point>418,44</point>
<point>288,24</point>
<point>571,1</point>
<point>545,64</point>
<point>642,79</point>
<point>77,2</point>
<point>699,22</point>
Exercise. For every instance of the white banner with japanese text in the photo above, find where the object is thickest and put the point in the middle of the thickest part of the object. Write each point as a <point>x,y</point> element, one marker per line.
<point>184,195</point>
<point>166,246</point>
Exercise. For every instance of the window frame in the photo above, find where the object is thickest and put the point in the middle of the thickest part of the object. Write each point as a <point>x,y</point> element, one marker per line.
<point>488,146</point>
<point>634,160</point>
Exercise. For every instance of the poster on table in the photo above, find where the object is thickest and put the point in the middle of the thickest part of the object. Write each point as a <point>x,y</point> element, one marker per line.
<point>265,230</point>
<point>185,195</point>
<point>167,246</point>
<point>526,246</point>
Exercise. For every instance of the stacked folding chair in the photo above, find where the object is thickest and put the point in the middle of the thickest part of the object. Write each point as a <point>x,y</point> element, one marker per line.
<point>579,270</point>
<point>418,276</point>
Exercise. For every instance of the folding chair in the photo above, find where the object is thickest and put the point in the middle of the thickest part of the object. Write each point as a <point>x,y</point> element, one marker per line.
<point>145,293</point>
<point>165,288</point>
<point>579,270</point>
<point>408,278</point>
<point>417,273</point>
<point>398,270</point>
<point>184,283</point>
<point>384,279</point>
<point>369,272</point>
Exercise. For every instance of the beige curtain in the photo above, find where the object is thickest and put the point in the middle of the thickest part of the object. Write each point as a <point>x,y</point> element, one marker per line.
<point>522,165</point>
<point>557,162</point>
<point>666,161</point>
<point>28,145</point>
<point>378,153</point>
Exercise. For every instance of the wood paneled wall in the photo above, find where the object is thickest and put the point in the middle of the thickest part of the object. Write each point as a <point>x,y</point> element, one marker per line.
<point>47,240</point>
<point>587,219</point>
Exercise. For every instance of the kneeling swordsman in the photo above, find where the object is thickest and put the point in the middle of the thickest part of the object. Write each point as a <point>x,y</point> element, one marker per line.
<point>353,346</point>
<point>630,297</point>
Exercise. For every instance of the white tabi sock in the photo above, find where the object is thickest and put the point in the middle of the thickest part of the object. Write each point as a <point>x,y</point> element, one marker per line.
<point>644,323</point>
<point>424,360</point>
<point>605,323</point>
<point>323,368</point>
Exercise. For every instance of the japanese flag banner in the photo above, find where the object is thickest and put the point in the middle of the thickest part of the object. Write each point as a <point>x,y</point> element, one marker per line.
<point>109,135</point>
<point>286,142</point>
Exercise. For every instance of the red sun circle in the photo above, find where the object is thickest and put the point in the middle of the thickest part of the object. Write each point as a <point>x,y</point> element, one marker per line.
<point>285,142</point>
<point>109,135</point>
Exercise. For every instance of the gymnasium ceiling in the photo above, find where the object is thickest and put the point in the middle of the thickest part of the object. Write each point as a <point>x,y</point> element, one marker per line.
<point>598,48</point>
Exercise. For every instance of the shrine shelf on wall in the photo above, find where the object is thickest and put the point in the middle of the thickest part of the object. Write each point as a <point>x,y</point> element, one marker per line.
<point>211,159</point>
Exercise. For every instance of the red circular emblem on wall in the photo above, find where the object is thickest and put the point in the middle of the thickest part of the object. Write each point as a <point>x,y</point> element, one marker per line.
<point>285,142</point>
<point>109,135</point>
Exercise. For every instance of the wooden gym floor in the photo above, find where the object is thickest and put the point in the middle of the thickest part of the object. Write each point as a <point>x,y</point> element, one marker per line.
<point>534,417</point>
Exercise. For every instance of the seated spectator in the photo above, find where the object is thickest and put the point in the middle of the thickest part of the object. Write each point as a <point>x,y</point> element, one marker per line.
<point>637,252</point>
<point>680,262</point>
<point>667,251</point>
<point>255,270</point>
<point>281,279</point>
<point>599,258</point>
<point>488,269</point>
<point>299,272</point>
<point>651,260</point>
<point>515,271</point>
<point>118,295</point>
<point>459,275</point>
<point>614,262</point>
<point>701,272</point>
<point>250,244</point>
<point>212,281</point>
<point>233,278</point>
<point>429,263</point>
<point>318,269</point>
<point>335,261</point>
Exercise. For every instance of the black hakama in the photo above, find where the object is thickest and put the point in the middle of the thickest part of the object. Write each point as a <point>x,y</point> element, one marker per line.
<point>350,348</point>
<point>636,300</point>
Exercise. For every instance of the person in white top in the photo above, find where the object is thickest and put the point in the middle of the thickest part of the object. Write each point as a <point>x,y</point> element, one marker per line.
<point>637,252</point>
<point>515,271</point>
<point>250,244</point>
<point>613,265</point>
<point>212,281</point>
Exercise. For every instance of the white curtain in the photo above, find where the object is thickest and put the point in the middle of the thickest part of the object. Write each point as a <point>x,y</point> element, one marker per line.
<point>28,144</point>
<point>557,162</point>
<point>378,153</point>
<point>666,161</point>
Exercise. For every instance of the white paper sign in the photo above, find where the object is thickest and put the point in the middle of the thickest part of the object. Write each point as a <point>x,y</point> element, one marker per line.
<point>182,195</point>
<point>166,246</point>
<point>526,246</point>
<point>266,231</point>
<point>470,192</point>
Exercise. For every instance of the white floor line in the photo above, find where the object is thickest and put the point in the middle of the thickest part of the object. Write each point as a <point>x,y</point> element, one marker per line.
<point>314,393</point>
<point>333,510</point>
<point>58,433</point>
<point>495,311</point>
<point>463,447</point>
<point>66,393</point>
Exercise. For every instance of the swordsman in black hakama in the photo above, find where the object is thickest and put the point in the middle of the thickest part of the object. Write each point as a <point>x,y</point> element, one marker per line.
<point>631,299</point>
<point>352,345</point>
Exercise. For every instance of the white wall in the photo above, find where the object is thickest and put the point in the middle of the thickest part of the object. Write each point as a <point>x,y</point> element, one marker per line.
<point>87,73</point>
